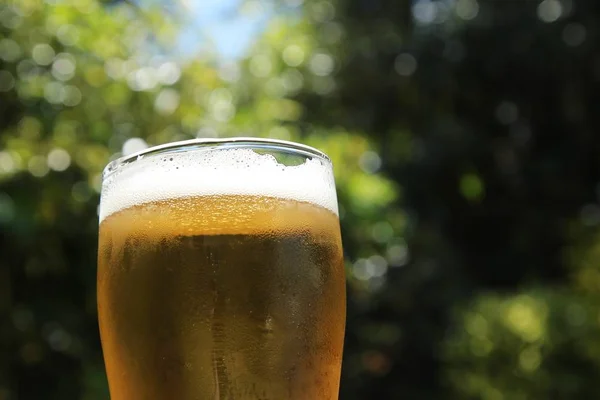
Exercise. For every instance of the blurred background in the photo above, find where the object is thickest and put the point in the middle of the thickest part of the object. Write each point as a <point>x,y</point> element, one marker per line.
<point>465,139</point>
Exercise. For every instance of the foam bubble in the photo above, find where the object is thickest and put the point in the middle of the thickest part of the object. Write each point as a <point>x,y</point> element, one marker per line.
<point>235,171</point>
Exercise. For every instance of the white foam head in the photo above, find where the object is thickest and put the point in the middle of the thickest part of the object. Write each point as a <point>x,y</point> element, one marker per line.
<point>216,171</point>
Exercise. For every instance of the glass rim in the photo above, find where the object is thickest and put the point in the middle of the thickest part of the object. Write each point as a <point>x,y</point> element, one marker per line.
<point>215,143</point>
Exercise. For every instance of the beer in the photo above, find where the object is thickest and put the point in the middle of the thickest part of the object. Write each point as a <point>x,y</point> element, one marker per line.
<point>221,296</point>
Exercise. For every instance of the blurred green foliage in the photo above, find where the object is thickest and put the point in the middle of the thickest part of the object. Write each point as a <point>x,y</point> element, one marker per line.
<point>464,138</point>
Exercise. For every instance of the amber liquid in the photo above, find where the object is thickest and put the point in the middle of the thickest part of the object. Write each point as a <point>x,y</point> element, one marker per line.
<point>223,297</point>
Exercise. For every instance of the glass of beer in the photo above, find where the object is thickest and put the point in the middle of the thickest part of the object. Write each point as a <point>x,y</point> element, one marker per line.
<point>220,273</point>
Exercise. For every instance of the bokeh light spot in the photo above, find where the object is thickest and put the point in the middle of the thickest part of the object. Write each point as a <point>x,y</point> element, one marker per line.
<point>71,96</point>
<point>576,315</point>
<point>30,128</point>
<point>476,325</point>
<point>261,65</point>
<point>53,92</point>
<point>167,101</point>
<point>80,191</point>
<point>574,34</point>
<point>397,254</point>
<point>590,214</point>
<point>293,3</point>
<point>96,183</point>
<point>7,81</point>
<point>95,75</point>
<point>332,32</point>
<point>31,353</point>
<point>86,6</point>
<point>10,18</point>
<point>549,10</point>
<point>27,69</point>
<point>68,35</point>
<point>293,55</point>
<point>143,79</point>
<point>322,11</point>
<point>252,8</point>
<point>42,54</point>
<point>221,104</point>
<point>361,270</point>
<point>7,164</point>
<point>7,208</point>
<point>376,362</point>
<point>230,72</point>
<point>471,186</point>
<point>378,265</point>
<point>59,159</point>
<point>169,73</point>
<point>467,9</point>
<point>207,132</point>
<point>10,51</point>
<point>292,80</point>
<point>59,339</point>
<point>133,145</point>
<point>323,85</point>
<point>424,11</point>
<point>370,162</point>
<point>530,359</point>
<point>280,132</point>
<point>322,64</point>
<point>274,87</point>
<point>526,318</point>
<point>405,64</point>
<point>23,318</point>
<point>63,67</point>
<point>223,112</point>
<point>37,166</point>
<point>115,68</point>
<point>507,112</point>
<point>382,232</point>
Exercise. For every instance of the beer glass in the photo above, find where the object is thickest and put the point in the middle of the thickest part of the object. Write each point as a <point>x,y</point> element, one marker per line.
<point>220,273</point>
